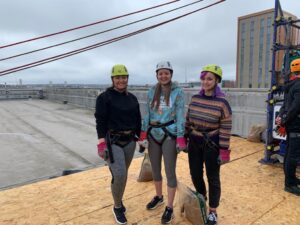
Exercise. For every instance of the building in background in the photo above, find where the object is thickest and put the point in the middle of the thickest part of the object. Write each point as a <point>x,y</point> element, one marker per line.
<point>254,44</point>
<point>228,83</point>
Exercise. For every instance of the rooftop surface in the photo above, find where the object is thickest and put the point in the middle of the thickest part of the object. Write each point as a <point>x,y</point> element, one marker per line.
<point>252,193</point>
<point>40,138</point>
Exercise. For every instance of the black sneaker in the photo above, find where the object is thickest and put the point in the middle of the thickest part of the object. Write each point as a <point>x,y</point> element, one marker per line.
<point>212,218</point>
<point>167,216</point>
<point>156,201</point>
<point>119,215</point>
<point>293,189</point>
<point>123,208</point>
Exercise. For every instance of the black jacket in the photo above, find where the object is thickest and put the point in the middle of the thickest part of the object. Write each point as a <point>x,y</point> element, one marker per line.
<point>290,111</point>
<point>117,112</point>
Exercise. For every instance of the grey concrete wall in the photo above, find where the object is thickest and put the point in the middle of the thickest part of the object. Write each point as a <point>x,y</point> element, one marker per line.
<point>248,105</point>
<point>24,93</point>
<point>81,97</point>
<point>249,108</point>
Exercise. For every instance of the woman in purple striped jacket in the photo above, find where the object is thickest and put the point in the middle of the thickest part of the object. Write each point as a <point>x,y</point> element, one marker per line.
<point>208,128</point>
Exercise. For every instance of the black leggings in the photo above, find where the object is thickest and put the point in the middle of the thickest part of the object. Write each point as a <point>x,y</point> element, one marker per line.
<point>198,155</point>
<point>292,156</point>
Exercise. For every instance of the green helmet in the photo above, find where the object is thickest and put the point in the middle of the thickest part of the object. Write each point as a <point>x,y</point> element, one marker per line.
<point>119,70</point>
<point>214,69</point>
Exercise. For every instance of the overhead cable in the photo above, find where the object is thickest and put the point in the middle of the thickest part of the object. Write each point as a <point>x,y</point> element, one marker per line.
<point>68,54</point>
<point>87,25</point>
<point>101,32</point>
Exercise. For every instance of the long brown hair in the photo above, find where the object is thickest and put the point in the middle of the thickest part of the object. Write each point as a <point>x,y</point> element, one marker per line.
<point>156,98</point>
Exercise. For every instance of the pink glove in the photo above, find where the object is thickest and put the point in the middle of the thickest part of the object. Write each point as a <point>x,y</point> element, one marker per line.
<point>143,136</point>
<point>224,156</point>
<point>101,149</point>
<point>143,142</point>
<point>181,144</point>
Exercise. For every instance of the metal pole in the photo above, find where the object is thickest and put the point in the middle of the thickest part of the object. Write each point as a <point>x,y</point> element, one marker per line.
<point>270,107</point>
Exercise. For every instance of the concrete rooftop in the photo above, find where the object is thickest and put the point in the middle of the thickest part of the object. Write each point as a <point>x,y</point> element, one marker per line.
<point>39,139</point>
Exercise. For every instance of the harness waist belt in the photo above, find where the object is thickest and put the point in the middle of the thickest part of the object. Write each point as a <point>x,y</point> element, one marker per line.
<point>121,138</point>
<point>160,125</point>
<point>163,127</point>
<point>201,130</point>
<point>125,132</point>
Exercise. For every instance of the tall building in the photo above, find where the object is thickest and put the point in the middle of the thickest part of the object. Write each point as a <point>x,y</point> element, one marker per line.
<point>254,49</point>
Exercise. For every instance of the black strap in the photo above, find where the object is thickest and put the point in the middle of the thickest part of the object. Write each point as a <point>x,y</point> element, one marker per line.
<point>109,142</point>
<point>156,141</point>
<point>160,125</point>
<point>192,127</point>
<point>210,143</point>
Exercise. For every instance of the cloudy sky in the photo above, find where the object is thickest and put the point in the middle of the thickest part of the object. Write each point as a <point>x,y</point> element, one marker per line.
<point>208,36</point>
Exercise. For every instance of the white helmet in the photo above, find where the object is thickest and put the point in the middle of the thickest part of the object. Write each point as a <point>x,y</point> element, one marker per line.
<point>164,65</point>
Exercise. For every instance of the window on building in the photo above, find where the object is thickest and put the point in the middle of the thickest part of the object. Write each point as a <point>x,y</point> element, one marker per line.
<point>268,52</point>
<point>241,72</point>
<point>251,53</point>
<point>260,54</point>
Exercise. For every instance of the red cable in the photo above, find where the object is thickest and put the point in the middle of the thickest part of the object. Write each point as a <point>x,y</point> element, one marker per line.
<point>91,24</point>
<point>68,54</point>
<point>98,33</point>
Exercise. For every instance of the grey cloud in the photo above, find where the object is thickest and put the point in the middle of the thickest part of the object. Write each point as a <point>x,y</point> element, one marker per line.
<point>208,36</point>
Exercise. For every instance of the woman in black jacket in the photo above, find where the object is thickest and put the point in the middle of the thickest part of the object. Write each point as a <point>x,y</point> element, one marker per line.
<point>289,122</point>
<point>118,123</point>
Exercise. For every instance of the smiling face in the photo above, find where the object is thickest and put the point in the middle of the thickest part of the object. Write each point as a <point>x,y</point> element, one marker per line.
<point>209,82</point>
<point>164,76</point>
<point>120,82</point>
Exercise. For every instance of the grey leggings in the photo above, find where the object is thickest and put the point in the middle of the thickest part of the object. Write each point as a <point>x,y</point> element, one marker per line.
<point>119,170</point>
<point>168,151</point>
